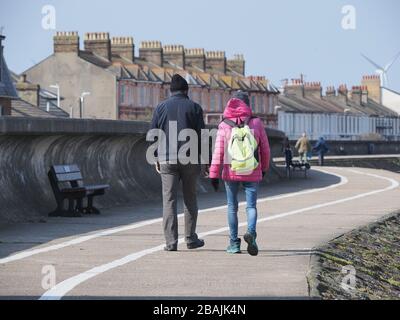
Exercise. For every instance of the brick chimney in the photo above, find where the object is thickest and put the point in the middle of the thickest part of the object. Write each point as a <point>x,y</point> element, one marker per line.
<point>66,41</point>
<point>330,92</point>
<point>373,83</point>
<point>313,89</point>
<point>343,94</point>
<point>195,58</point>
<point>124,47</point>
<point>355,96</point>
<point>27,91</point>
<point>295,87</point>
<point>216,61</point>
<point>364,95</point>
<point>151,51</point>
<point>174,54</point>
<point>98,43</point>
<point>237,64</point>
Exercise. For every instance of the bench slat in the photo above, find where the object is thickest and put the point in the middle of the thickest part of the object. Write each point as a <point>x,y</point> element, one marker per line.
<point>97,187</point>
<point>66,168</point>
<point>73,190</point>
<point>65,177</point>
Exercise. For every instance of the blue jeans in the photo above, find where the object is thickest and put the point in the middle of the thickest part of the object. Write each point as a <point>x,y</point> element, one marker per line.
<point>232,189</point>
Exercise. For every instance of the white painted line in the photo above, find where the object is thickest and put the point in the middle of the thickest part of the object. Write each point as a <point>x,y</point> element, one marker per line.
<point>61,289</point>
<point>107,232</point>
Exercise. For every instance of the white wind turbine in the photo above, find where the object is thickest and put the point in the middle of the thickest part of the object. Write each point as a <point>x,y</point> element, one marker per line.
<point>382,71</point>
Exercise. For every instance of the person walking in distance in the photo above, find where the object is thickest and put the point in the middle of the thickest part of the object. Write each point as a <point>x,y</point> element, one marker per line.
<point>322,148</point>
<point>303,147</point>
<point>242,152</point>
<point>180,113</point>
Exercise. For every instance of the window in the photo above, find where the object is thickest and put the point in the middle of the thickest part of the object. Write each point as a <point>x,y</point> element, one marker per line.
<point>122,94</point>
<point>212,102</point>
<point>260,104</point>
<point>151,102</point>
<point>253,103</point>
<point>132,101</point>
<point>196,95</point>
<point>205,98</point>
<point>220,101</point>
<point>142,94</point>
<point>156,98</point>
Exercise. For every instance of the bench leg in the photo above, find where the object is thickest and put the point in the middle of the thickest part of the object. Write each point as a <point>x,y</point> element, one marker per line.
<point>79,205</point>
<point>90,208</point>
<point>61,212</point>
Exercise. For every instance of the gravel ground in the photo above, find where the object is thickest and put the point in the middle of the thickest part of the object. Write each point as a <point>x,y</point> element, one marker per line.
<point>369,255</point>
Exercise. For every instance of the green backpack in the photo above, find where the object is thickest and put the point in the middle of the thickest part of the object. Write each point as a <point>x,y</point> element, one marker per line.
<point>242,148</point>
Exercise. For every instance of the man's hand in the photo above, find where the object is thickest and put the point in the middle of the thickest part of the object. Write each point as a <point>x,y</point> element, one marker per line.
<point>206,171</point>
<point>158,167</point>
<point>215,184</point>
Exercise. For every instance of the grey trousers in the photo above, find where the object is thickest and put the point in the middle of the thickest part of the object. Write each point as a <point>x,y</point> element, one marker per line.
<point>171,174</point>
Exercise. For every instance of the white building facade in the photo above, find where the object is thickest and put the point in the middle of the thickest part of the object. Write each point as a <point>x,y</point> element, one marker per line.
<point>334,126</point>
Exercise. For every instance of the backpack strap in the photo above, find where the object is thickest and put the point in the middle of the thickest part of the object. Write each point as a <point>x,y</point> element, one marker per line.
<point>230,123</point>
<point>234,124</point>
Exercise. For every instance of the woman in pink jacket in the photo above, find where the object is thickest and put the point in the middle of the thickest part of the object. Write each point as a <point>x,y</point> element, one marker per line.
<point>238,111</point>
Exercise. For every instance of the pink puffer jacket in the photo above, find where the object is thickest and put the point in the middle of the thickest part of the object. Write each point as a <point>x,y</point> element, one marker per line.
<point>235,109</point>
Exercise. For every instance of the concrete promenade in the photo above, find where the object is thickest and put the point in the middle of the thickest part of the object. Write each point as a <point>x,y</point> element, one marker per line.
<point>119,253</point>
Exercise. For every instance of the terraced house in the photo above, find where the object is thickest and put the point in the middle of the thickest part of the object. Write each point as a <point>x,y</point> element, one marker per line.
<point>340,114</point>
<point>124,86</point>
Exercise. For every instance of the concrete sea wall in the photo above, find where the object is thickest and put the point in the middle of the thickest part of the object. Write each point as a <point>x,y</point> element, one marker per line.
<point>361,147</point>
<point>112,152</point>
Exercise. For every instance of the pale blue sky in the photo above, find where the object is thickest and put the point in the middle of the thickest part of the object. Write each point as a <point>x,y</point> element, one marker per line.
<point>280,39</point>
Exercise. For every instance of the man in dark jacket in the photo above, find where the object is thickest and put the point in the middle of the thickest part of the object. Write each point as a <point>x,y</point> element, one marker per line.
<point>173,115</point>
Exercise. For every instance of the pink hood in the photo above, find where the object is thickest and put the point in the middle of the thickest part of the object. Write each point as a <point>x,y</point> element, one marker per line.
<point>236,108</point>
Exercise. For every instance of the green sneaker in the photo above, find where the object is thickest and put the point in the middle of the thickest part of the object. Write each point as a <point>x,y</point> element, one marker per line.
<point>252,247</point>
<point>234,247</point>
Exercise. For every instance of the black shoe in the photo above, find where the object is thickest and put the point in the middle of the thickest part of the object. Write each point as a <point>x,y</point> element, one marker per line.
<point>196,244</point>
<point>252,247</point>
<point>171,248</point>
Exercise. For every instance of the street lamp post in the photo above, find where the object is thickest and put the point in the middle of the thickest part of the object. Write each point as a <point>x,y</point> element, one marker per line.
<point>81,100</point>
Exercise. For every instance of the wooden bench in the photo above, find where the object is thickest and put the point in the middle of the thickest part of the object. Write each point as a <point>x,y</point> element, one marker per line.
<point>292,165</point>
<point>301,166</point>
<point>67,184</point>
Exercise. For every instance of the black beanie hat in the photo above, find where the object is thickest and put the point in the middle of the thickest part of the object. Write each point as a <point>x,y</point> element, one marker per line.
<point>178,83</point>
<point>242,95</point>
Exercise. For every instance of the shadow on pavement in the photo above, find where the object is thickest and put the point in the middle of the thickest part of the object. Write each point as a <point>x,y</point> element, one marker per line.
<point>22,236</point>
